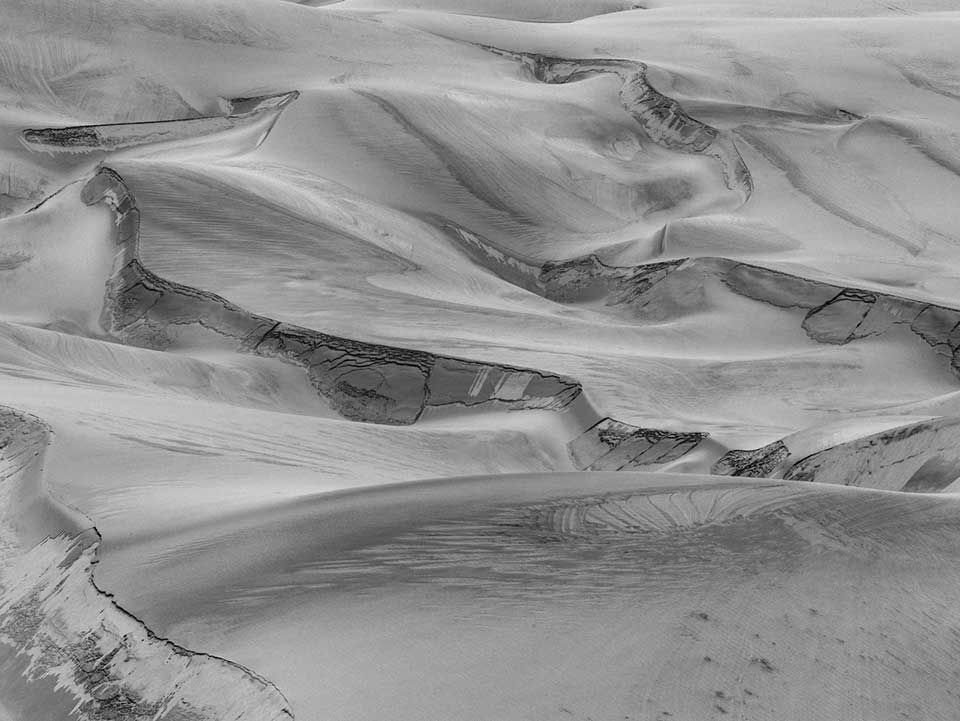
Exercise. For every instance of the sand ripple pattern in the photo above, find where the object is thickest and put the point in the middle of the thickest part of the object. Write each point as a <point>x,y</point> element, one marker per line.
<point>665,512</point>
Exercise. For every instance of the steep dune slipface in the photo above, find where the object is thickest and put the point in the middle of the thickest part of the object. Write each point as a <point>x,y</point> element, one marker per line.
<point>662,118</point>
<point>362,381</point>
<point>246,123</point>
<point>65,647</point>
<point>398,400</point>
<point>917,457</point>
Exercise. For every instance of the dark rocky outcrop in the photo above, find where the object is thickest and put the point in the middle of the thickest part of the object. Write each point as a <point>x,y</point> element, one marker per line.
<point>238,113</point>
<point>921,456</point>
<point>362,381</point>
<point>662,118</point>
<point>759,463</point>
<point>610,445</point>
<point>836,314</point>
<point>65,644</point>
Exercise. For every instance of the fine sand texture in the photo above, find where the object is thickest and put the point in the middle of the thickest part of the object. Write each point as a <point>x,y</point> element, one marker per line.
<point>480,360</point>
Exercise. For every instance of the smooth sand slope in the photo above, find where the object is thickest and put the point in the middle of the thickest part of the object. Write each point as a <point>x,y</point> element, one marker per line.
<point>479,360</point>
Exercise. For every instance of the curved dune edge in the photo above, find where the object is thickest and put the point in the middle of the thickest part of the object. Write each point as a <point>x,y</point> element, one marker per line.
<point>667,568</point>
<point>660,511</point>
<point>840,314</point>
<point>662,118</point>
<point>610,445</point>
<point>65,640</point>
<point>835,314</point>
<point>256,114</point>
<point>361,381</point>
<point>585,277</point>
<point>920,457</point>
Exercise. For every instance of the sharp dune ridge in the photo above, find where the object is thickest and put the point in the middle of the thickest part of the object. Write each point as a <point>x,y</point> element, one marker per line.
<point>662,118</point>
<point>362,381</point>
<point>479,360</point>
<point>836,314</point>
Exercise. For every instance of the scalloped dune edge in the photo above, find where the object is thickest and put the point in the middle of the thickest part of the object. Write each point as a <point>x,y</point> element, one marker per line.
<point>71,643</point>
<point>835,314</point>
<point>919,457</point>
<point>254,116</point>
<point>362,381</point>
<point>662,118</point>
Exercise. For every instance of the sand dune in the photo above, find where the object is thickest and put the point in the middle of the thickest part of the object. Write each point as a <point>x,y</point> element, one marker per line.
<point>67,648</point>
<point>248,120</point>
<point>479,360</point>
<point>673,595</point>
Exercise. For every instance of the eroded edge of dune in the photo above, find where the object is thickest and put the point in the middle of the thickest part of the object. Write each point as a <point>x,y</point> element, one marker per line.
<point>835,314</point>
<point>362,381</point>
<point>920,457</point>
<point>662,118</point>
<point>610,445</point>
<point>57,626</point>
<point>239,113</point>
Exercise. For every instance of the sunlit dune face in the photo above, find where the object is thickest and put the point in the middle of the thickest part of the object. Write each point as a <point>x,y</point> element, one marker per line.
<point>54,263</point>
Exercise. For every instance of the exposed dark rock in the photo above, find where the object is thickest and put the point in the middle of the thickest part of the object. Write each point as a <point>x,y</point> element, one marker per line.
<point>837,320</point>
<point>513,268</point>
<point>920,456</point>
<point>583,278</point>
<point>577,279</point>
<point>361,381</point>
<point>588,277</point>
<point>758,463</point>
<point>662,118</point>
<point>938,327</point>
<point>78,136</point>
<point>780,289</point>
<point>610,445</point>
<point>836,314</point>
<point>115,136</point>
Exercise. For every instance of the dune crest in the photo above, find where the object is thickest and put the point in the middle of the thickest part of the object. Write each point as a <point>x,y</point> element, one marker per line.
<point>56,625</point>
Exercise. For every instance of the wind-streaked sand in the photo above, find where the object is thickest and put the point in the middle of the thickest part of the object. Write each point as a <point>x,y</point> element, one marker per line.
<point>479,360</point>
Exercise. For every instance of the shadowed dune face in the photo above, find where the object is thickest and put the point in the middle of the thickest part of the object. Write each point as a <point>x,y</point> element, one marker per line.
<point>478,360</point>
<point>65,647</point>
<point>662,118</point>
<point>919,457</point>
